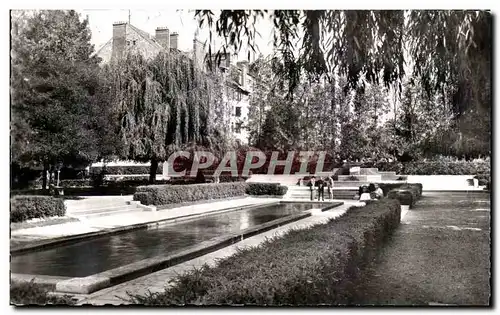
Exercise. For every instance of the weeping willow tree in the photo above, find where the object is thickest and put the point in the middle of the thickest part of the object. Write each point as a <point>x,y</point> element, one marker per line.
<point>165,104</point>
<point>449,48</point>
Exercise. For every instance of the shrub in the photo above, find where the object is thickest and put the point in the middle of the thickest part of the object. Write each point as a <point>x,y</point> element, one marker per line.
<point>168,194</point>
<point>317,265</point>
<point>447,166</point>
<point>75,183</point>
<point>405,197</point>
<point>483,179</point>
<point>352,178</point>
<point>402,178</point>
<point>28,207</point>
<point>268,189</point>
<point>386,187</point>
<point>126,170</point>
<point>31,294</point>
<point>407,194</point>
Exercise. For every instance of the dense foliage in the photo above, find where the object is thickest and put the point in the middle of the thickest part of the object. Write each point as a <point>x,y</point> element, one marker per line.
<point>55,91</point>
<point>434,66</point>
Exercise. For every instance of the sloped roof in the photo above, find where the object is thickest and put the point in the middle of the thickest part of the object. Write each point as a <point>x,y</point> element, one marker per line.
<point>146,36</point>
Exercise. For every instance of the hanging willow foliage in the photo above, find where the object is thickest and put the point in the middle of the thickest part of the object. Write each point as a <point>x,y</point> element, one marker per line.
<point>444,46</point>
<point>165,104</point>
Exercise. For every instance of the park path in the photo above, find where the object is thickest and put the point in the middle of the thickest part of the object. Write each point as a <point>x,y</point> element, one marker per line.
<point>439,255</point>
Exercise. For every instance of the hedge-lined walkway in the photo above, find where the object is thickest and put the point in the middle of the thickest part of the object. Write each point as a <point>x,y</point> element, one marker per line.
<point>439,254</point>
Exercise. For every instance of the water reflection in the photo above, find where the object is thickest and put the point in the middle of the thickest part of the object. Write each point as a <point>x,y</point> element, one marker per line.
<point>97,255</point>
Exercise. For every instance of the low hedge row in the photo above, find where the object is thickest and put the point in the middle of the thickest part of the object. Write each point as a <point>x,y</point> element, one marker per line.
<point>23,208</point>
<point>67,183</point>
<point>125,170</point>
<point>407,194</point>
<point>318,265</point>
<point>270,189</point>
<point>169,194</point>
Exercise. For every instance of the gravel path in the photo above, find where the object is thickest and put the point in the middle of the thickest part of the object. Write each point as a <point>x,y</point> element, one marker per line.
<point>439,255</point>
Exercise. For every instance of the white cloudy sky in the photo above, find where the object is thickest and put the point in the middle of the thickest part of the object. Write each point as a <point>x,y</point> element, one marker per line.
<point>180,21</point>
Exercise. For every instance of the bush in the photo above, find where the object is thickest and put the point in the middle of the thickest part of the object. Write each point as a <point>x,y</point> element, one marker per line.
<point>126,170</point>
<point>317,265</point>
<point>407,194</point>
<point>23,208</point>
<point>31,294</point>
<point>169,194</point>
<point>268,189</point>
<point>405,197</point>
<point>386,187</point>
<point>483,179</point>
<point>75,183</point>
<point>447,166</point>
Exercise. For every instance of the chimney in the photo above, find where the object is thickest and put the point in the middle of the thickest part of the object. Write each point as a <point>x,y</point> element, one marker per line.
<point>243,65</point>
<point>199,52</point>
<point>174,37</point>
<point>163,37</point>
<point>119,39</point>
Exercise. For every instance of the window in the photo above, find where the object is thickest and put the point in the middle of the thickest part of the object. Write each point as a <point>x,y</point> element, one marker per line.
<point>134,42</point>
<point>237,129</point>
<point>238,95</point>
<point>238,111</point>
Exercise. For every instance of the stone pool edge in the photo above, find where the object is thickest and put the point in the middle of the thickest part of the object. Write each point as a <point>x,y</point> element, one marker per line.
<point>44,244</point>
<point>108,278</point>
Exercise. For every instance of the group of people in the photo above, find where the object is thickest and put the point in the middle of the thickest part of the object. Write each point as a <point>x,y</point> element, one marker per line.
<point>370,192</point>
<point>321,183</point>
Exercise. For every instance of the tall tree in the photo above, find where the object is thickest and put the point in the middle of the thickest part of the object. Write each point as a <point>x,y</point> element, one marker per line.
<point>165,104</point>
<point>54,81</point>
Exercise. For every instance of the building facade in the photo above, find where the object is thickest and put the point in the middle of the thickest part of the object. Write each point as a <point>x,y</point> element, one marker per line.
<point>127,38</point>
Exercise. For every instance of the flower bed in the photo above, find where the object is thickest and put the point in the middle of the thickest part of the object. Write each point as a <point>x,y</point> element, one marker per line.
<point>312,266</point>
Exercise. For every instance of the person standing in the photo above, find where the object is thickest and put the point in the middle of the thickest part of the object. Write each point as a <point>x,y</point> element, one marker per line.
<point>330,187</point>
<point>311,185</point>
<point>321,189</point>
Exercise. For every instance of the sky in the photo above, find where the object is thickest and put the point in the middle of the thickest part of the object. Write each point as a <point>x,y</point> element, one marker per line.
<point>180,21</point>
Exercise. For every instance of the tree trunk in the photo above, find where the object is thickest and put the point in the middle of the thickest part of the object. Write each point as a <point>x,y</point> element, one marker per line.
<point>152,171</point>
<point>44,177</point>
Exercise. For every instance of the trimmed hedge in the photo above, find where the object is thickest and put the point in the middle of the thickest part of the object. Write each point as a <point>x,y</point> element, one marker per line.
<point>66,183</point>
<point>270,189</point>
<point>317,265</point>
<point>125,170</point>
<point>168,194</point>
<point>407,194</point>
<point>23,208</point>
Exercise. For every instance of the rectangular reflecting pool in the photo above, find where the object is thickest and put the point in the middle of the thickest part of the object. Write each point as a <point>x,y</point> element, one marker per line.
<point>108,252</point>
